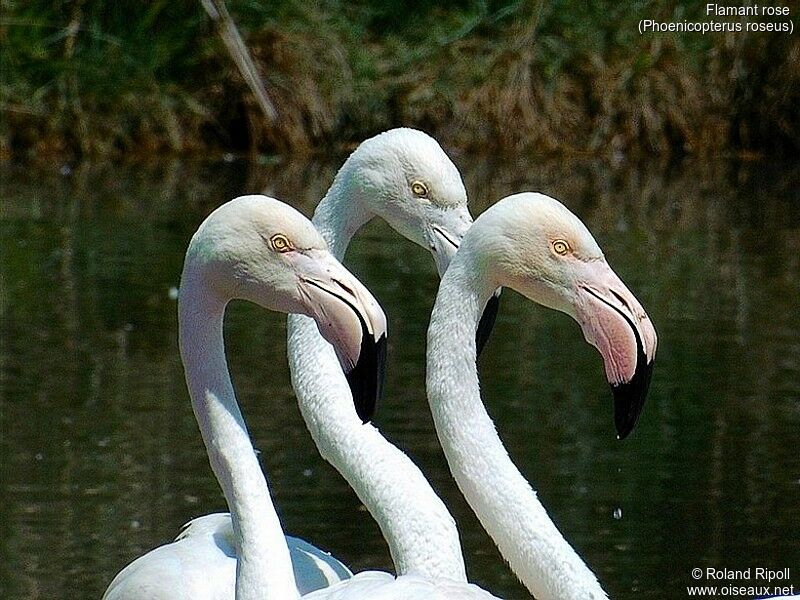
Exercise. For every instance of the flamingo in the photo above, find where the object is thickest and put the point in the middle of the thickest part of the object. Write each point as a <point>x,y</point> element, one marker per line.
<point>533,244</point>
<point>258,249</point>
<point>404,177</point>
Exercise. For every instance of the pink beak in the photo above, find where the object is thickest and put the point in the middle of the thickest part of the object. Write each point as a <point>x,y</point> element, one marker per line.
<point>615,323</point>
<point>350,319</point>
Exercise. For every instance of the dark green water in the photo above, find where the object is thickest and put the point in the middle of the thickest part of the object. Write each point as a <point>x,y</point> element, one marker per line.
<point>101,459</point>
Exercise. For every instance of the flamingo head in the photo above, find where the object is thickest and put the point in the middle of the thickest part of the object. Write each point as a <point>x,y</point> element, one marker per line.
<point>258,249</point>
<point>404,177</point>
<point>533,244</point>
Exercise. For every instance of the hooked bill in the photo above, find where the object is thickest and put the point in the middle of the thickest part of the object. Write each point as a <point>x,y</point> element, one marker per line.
<point>351,320</point>
<point>614,322</point>
<point>364,368</point>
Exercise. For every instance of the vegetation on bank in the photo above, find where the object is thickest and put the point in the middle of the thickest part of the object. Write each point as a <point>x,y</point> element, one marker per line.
<point>90,77</point>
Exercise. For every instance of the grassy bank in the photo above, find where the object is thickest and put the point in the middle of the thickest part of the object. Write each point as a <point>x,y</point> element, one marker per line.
<point>88,77</point>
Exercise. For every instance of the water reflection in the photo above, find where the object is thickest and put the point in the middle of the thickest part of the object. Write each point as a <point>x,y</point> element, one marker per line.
<point>101,457</point>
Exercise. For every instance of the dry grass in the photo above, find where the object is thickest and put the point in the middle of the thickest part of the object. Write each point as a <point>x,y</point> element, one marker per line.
<point>520,75</point>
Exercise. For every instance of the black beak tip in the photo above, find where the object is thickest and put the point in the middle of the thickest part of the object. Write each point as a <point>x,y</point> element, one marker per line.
<point>367,378</point>
<point>486,324</point>
<point>629,399</point>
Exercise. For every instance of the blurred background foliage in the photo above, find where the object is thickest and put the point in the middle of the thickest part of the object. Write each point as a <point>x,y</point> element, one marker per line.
<point>90,77</point>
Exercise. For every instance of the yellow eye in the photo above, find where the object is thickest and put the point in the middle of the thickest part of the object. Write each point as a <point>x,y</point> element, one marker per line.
<point>280,243</point>
<point>419,189</point>
<point>560,247</point>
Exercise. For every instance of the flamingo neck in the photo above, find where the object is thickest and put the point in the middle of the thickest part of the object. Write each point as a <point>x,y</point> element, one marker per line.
<point>501,497</point>
<point>418,528</point>
<point>264,568</point>
<point>341,212</point>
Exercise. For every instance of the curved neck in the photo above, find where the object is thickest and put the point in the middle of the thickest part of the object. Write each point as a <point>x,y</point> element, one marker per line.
<point>264,568</point>
<point>420,531</point>
<point>341,212</point>
<point>501,497</point>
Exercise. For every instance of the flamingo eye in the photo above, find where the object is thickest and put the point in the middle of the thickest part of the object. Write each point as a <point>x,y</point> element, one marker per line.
<point>561,247</point>
<point>419,189</point>
<point>280,243</point>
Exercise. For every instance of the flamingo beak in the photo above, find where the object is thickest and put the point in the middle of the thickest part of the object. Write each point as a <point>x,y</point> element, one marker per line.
<point>486,324</point>
<point>352,321</point>
<point>615,323</point>
<point>444,247</point>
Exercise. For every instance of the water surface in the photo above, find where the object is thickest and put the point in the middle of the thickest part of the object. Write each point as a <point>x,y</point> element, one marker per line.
<point>101,459</point>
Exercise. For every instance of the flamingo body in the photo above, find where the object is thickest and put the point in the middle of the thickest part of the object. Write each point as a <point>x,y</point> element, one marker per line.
<point>201,565</point>
<point>377,585</point>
